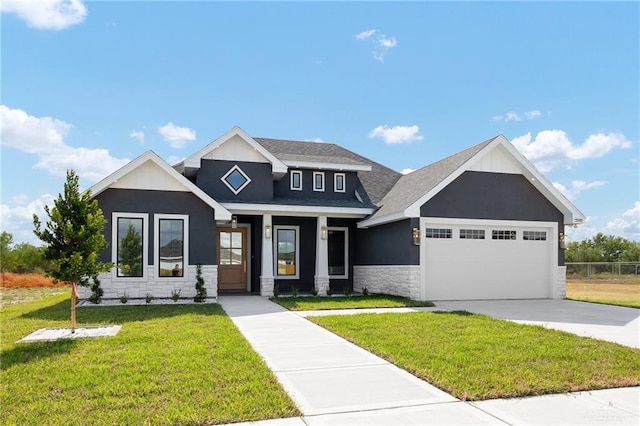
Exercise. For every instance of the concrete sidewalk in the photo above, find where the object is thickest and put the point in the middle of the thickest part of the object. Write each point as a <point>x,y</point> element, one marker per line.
<point>334,382</point>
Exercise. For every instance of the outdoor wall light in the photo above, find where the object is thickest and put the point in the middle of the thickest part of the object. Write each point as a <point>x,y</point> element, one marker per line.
<point>267,231</point>
<point>234,222</point>
<point>562,239</point>
<point>323,232</point>
<point>415,233</point>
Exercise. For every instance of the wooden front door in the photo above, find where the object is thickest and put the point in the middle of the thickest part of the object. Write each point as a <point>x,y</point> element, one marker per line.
<point>232,259</point>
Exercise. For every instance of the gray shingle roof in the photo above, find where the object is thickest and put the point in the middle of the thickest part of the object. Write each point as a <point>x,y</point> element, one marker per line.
<point>411,187</point>
<point>376,183</point>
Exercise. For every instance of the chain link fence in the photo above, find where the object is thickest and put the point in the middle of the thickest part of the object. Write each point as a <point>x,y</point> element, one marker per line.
<point>602,270</point>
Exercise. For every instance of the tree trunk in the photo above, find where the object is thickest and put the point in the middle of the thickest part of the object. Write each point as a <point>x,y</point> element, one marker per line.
<point>73,309</point>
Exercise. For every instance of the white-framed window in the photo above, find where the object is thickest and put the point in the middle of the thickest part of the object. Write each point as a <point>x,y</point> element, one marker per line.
<point>318,181</point>
<point>235,179</point>
<point>130,245</point>
<point>296,180</point>
<point>502,234</point>
<point>339,182</point>
<point>438,233</point>
<point>338,252</point>
<point>171,246</point>
<point>287,251</point>
<point>472,234</point>
<point>534,235</point>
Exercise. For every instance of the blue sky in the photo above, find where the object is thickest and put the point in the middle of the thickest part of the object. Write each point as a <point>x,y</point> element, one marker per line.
<point>92,85</point>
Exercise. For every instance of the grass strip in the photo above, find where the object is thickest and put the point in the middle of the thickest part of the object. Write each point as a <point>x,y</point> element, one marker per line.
<point>184,364</point>
<point>615,302</point>
<point>321,303</point>
<point>475,357</point>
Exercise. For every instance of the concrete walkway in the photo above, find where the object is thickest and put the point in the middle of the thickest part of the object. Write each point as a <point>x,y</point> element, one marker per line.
<point>334,382</point>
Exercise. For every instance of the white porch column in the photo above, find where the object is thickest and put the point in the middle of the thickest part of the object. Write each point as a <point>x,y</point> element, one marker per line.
<point>321,279</point>
<point>266,276</point>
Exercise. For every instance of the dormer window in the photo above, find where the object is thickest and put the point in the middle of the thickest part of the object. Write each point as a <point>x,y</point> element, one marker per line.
<point>339,182</point>
<point>296,180</point>
<point>318,181</point>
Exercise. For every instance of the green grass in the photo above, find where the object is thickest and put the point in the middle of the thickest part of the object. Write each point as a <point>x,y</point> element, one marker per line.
<point>475,357</point>
<point>315,303</point>
<point>169,364</point>
<point>624,303</point>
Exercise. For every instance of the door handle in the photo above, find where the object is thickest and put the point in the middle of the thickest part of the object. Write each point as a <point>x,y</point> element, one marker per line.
<point>244,264</point>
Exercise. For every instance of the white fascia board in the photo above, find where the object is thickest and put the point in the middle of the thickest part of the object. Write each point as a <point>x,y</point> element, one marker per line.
<point>194,160</point>
<point>280,209</point>
<point>414,209</point>
<point>369,223</point>
<point>327,166</point>
<point>220,212</point>
<point>572,215</point>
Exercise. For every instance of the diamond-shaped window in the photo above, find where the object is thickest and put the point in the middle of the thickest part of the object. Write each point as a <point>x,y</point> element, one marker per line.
<point>235,179</point>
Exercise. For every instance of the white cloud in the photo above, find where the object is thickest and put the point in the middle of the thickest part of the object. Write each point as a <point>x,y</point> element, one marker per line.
<point>407,171</point>
<point>174,159</point>
<point>44,137</point>
<point>532,114</point>
<point>512,116</point>
<point>176,136</point>
<point>365,34</point>
<point>317,140</point>
<point>137,134</point>
<point>396,134</point>
<point>627,225</point>
<point>380,46</point>
<point>577,186</point>
<point>47,14</point>
<point>551,148</point>
<point>18,220</point>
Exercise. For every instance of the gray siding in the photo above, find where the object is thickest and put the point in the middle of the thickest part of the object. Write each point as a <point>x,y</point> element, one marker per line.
<point>282,187</point>
<point>259,190</point>
<point>390,244</point>
<point>497,196</point>
<point>202,226</point>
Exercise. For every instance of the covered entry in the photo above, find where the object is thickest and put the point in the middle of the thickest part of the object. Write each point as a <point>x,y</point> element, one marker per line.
<point>482,259</point>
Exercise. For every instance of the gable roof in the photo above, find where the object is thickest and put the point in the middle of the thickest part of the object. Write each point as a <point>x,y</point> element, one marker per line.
<point>411,191</point>
<point>375,183</point>
<point>193,161</point>
<point>151,157</point>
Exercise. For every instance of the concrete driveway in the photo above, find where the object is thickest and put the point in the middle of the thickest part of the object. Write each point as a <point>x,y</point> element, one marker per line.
<point>604,322</point>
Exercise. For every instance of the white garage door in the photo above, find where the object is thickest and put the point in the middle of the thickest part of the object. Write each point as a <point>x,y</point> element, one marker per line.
<point>488,260</point>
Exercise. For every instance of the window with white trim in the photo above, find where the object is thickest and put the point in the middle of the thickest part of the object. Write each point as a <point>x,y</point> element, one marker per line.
<point>438,233</point>
<point>287,251</point>
<point>338,252</point>
<point>502,234</point>
<point>171,245</point>
<point>534,235</point>
<point>235,179</point>
<point>296,180</point>
<point>130,242</point>
<point>318,181</point>
<point>339,182</point>
<point>472,234</point>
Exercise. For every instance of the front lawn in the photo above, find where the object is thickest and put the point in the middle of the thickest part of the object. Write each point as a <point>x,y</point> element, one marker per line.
<point>623,292</point>
<point>475,357</point>
<point>169,364</point>
<point>317,303</point>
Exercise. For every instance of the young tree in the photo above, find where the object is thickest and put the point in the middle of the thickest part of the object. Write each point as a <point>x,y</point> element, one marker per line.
<point>73,238</point>
<point>6,260</point>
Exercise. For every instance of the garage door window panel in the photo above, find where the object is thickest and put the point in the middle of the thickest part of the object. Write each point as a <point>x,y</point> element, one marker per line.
<point>503,234</point>
<point>534,236</point>
<point>444,233</point>
<point>472,234</point>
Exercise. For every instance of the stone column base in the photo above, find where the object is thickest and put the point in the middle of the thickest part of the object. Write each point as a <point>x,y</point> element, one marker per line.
<point>266,286</point>
<point>321,284</point>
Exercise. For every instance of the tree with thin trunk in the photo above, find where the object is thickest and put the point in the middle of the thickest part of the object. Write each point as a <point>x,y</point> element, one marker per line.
<point>73,238</point>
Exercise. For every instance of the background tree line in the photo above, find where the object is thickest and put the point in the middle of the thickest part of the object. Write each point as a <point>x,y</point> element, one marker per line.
<point>21,257</point>
<point>603,248</point>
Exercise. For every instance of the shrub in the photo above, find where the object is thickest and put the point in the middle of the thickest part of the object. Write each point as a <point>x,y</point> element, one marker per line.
<point>201,291</point>
<point>276,290</point>
<point>96,291</point>
<point>148,298</point>
<point>365,291</point>
<point>346,290</point>
<point>175,295</point>
<point>124,298</point>
<point>294,291</point>
<point>314,292</point>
